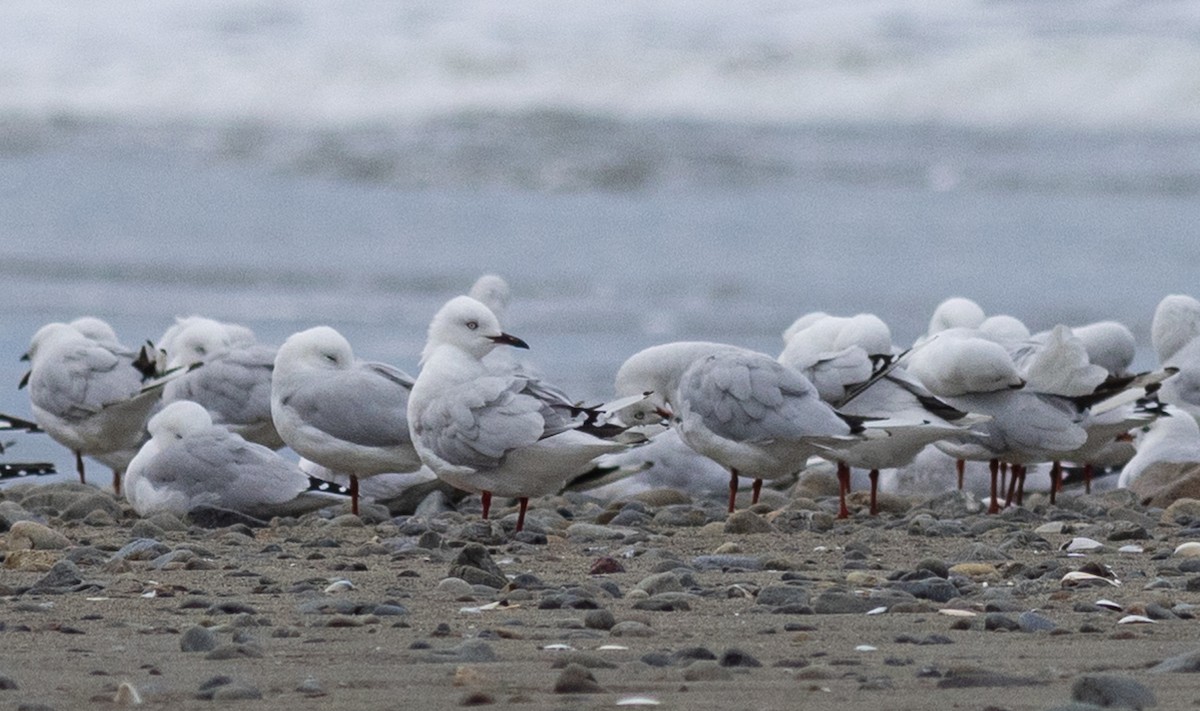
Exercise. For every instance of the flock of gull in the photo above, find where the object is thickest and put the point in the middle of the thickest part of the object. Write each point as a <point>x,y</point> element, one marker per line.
<point>200,416</point>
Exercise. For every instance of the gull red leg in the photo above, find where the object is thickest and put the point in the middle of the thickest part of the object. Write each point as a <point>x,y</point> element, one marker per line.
<point>486,498</point>
<point>1055,480</point>
<point>524,504</point>
<point>1019,472</point>
<point>960,466</point>
<point>843,475</point>
<point>1012,487</point>
<point>117,481</point>
<point>733,475</point>
<point>755,490</point>
<point>994,468</point>
<point>354,494</point>
<point>874,474</point>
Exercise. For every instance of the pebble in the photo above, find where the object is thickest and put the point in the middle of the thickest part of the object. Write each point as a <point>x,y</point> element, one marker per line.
<point>7,683</point>
<point>734,657</point>
<point>475,565</point>
<point>576,679</point>
<point>455,588</point>
<point>659,583</point>
<point>833,602</point>
<point>30,535</point>
<point>198,639</point>
<point>1033,622</point>
<point>725,562</point>
<point>706,670</point>
<point>599,619</point>
<point>141,549</point>
<point>590,533</point>
<point>777,595</point>
<point>62,577</point>
<point>1188,663</point>
<point>235,651</point>
<point>311,688</point>
<point>745,522</point>
<point>1112,692</point>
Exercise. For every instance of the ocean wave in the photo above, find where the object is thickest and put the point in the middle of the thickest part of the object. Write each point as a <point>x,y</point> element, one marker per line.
<point>1074,64</point>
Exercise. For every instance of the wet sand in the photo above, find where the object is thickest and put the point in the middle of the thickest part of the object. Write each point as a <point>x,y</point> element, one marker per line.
<point>778,607</point>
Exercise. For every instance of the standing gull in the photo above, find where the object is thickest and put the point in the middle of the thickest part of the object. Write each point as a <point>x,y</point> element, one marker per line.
<point>495,433</point>
<point>339,412</point>
<point>89,395</point>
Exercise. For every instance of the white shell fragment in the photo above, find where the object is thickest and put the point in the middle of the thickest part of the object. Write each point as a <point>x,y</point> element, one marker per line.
<point>558,648</point>
<point>1135,620</point>
<point>1080,544</point>
<point>1076,578</point>
<point>611,648</point>
<point>338,586</point>
<point>1191,549</point>
<point>1131,548</point>
<point>865,648</point>
<point>638,701</point>
<point>1109,605</point>
<point>497,605</point>
<point>877,611</point>
<point>954,612</point>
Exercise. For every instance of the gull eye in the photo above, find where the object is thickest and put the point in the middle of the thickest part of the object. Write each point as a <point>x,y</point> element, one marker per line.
<point>639,416</point>
<point>472,325</point>
<point>331,357</point>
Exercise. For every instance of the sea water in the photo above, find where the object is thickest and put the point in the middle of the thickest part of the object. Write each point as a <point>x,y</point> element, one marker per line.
<point>639,172</point>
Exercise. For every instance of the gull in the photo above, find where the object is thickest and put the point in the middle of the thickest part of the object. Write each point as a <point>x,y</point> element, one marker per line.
<point>955,312</point>
<point>235,383</point>
<point>738,407</point>
<point>340,412</point>
<point>89,395</point>
<point>189,461</point>
<point>1175,335</point>
<point>840,356</point>
<point>494,433</point>
<point>1167,450</point>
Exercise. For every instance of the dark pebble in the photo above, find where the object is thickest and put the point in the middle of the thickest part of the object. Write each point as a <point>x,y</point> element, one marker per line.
<point>1112,692</point>
<point>996,621</point>
<point>576,679</point>
<point>734,657</point>
<point>198,639</point>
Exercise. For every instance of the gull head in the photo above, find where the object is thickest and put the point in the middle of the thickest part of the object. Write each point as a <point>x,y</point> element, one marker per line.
<point>492,291</point>
<point>46,335</point>
<point>318,348</point>
<point>198,342</point>
<point>96,329</point>
<point>467,324</point>
<point>178,420</point>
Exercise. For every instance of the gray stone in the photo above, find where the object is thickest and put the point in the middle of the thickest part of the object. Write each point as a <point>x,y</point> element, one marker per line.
<point>11,512</point>
<point>235,651</point>
<point>583,659</point>
<point>63,576</point>
<point>589,532</point>
<point>660,583</point>
<point>599,620</point>
<point>1113,691</point>
<point>236,691</point>
<point>998,621</point>
<point>727,562</point>
<point>1188,663</point>
<point>1033,622</point>
<point>141,549</point>
<point>475,565</point>
<point>85,505</point>
<point>681,516</point>
<point>834,602</point>
<point>198,639</point>
<point>935,589</point>
<point>734,657</point>
<point>576,679</point>
<point>746,521</point>
<point>776,595</point>
<point>7,683</point>
<point>706,670</point>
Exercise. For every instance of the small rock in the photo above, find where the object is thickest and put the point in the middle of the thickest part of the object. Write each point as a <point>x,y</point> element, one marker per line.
<point>746,521</point>
<point>599,620</point>
<point>1033,622</point>
<point>776,595</point>
<point>660,583</point>
<point>706,670</point>
<point>63,576</point>
<point>198,639</point>
<point>311,688</point>
<point>576,679</point>
<point>734,657</point>
<point>606,565</point>
<point>1188,663</point>
<point>833,602</point>
<point>30,535</point>
<point>1112,692</point>
<point>996,621</point>
<point>235,651</point>
<point>236,692</point>
<point>7,683</point>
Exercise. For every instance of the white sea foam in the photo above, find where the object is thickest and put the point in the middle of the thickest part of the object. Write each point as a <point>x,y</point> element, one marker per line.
<point>1091,64</point>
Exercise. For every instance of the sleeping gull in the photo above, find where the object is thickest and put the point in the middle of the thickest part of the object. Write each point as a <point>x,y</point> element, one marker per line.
<point>1175,334</point>
<point>89,395</point>
<point>495,433</point>
<point>190,462</point>
<point>235,383</point>
<point>340,412</point>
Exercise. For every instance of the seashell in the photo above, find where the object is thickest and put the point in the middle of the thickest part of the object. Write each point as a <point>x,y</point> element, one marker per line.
<point>954,612</point>
<point>1190,549</point>
<point>1135,620</point>
<point>1109,605</point>
<point>338,586</point>
<point>1080,544</point>
<point>1131,548</point>
<point>638,701</point>
<point>865,648</point>
<point>877,611</point>
<point>558,648</point>
<point>611,648</point>
<point>496,605</point>
<point>1077,578</point>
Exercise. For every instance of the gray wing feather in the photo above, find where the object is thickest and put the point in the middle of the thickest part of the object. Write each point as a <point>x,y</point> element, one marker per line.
<point>375,416</point>
<point>92,378</point>
<point>217,467</point>
<point>476,423</point>
<point>235,388</point>
<point>748,397</point>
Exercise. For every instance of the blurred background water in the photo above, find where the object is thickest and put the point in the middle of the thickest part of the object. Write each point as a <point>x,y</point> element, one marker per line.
<point>639,172</point>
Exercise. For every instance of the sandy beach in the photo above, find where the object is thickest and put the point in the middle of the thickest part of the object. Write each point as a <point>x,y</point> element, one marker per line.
<point>658,601</point>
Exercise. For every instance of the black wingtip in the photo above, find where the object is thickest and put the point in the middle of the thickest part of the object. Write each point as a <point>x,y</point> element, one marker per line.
<point>22,470</point>
<point>327,487</point>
